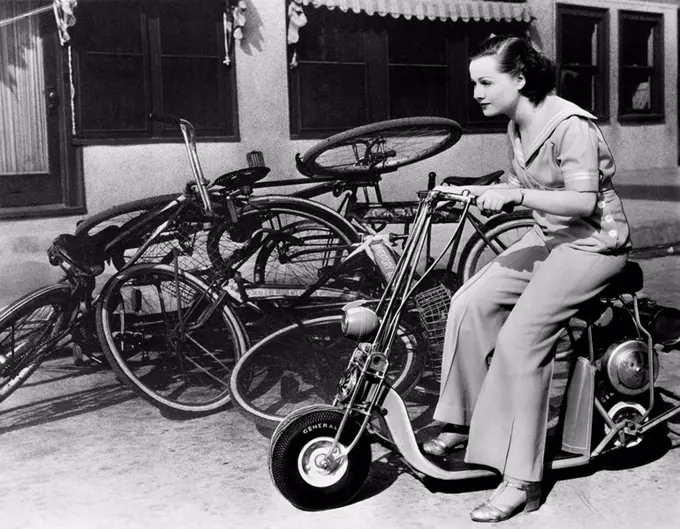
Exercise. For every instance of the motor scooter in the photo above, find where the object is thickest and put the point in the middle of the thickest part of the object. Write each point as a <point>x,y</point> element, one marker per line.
<point>320,455</point>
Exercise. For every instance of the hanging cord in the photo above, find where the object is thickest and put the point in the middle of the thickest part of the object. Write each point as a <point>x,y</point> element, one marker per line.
<point>73,91</point>
<point>63,14</point>
<point>228,24</point>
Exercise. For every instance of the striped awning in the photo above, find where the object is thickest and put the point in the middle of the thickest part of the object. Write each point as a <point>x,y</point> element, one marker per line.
<point>464,10</point>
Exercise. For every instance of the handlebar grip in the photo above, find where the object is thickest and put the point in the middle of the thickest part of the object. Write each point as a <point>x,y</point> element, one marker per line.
<point>164,118</point>
<point>507,208</point>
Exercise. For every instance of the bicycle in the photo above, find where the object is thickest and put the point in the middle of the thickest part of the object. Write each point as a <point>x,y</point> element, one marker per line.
<point>35,326</point>
<point>270,305</point>
<point>176,223</point>
<point>353,172</point>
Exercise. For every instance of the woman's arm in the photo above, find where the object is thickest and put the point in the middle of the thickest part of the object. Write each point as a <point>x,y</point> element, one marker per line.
<point>565,202</point>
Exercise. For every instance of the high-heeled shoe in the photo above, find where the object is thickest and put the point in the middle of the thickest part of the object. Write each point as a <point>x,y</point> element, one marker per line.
<point>498,509</point>
<point>443,446</point>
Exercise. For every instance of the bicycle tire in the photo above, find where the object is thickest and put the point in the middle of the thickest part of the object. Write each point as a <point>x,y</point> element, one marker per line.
<point>290,222</point>
<point>121,214</point>
<point>30,328</point>
<point>502,230</point>
<point>292,368</point>
<point>137,325</point>
<point>402,142</point>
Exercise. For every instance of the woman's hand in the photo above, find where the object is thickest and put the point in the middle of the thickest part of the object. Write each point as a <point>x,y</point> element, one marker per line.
<point>494,200</point>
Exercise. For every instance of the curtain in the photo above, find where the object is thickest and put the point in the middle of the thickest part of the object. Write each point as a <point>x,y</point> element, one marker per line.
<point>23,107</point>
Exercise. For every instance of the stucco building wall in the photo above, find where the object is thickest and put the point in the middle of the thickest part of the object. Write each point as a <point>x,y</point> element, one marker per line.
<point>114,174</point>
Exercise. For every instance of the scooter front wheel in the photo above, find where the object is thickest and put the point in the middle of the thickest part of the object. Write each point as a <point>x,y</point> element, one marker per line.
<point>302,467</point>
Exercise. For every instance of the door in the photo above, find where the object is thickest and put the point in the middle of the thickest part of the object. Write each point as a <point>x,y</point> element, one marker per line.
<point>34,154</point>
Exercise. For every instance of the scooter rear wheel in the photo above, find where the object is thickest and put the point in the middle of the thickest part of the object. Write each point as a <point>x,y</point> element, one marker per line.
<point>298,466</point>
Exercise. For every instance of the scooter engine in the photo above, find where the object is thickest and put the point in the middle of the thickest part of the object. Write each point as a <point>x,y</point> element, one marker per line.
<point>624,377</point>
<point>625,365</point>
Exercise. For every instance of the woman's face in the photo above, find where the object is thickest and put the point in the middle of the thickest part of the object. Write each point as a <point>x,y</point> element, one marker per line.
<point>496,92</point>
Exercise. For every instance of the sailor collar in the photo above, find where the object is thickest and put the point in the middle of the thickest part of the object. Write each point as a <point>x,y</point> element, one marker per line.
<point>554,112</point>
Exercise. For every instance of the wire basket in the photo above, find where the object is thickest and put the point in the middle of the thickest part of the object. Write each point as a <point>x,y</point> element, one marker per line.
<point>433,309</point>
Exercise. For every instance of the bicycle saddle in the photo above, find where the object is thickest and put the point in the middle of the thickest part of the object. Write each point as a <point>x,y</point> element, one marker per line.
<point>480,181</point>
<point>83,252</point>
<point>242,177</point>
<point>627,281</point>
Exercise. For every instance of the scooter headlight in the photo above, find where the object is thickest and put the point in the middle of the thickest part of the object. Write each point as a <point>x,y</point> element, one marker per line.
<point>358,322</point>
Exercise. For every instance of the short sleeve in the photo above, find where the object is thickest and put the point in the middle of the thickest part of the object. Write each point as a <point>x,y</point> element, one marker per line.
<point>576,153</point>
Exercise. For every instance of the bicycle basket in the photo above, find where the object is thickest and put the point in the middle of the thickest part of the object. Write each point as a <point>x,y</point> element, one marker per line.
<point>433,309</point>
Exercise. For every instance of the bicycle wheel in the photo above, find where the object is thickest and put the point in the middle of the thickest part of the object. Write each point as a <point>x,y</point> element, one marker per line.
<point>162,339</point>
<point>379,147</point>
<point>286,241</point>
<point>30,329</point>
<point>501,231</point>
<point>301,365</point>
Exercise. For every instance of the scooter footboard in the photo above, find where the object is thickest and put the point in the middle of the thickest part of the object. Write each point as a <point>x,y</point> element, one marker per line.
<point>399,425</point>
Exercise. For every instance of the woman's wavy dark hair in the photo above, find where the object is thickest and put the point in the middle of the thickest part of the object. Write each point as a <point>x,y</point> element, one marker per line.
<point>516,55</point>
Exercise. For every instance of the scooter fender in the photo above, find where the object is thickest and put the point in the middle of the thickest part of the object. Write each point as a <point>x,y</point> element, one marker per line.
<point>399,425</point>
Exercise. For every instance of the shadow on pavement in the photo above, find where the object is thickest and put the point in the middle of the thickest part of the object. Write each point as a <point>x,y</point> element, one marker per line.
<point>69,373</point>
<point>63,407</point>
<point>384,472</point>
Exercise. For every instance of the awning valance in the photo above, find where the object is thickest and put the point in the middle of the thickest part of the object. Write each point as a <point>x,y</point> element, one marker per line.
<point>464,10</point>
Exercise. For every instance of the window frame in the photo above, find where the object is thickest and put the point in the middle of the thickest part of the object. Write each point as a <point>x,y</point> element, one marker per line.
<point>459,37</point>
<point>657,111</point>
<point>600,72</point>
<point>154,131</point>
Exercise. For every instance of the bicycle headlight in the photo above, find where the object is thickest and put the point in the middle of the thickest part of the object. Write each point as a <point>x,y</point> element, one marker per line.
<point>358,321</point>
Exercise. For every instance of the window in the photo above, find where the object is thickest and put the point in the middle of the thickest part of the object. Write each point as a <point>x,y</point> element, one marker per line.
<point>351,69</point>
<point>136,56</point>
<point>640,66</point>
<point>582,36</point>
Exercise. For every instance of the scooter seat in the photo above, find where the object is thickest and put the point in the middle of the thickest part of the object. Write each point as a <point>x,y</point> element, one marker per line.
<point>628,281</point>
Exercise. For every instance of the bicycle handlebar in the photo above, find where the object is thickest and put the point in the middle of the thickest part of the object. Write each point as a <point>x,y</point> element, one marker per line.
<point>189,135</point>
<point>165,118</point>
<point>465,196</point>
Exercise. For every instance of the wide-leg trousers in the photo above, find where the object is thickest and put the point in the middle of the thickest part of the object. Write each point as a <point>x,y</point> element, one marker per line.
<point>514,309</point>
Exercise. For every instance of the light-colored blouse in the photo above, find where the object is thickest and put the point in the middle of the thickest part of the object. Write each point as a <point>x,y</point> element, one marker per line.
<point>571,153</point>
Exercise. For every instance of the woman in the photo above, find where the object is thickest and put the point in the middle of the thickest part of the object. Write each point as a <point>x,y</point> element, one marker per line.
<point>515,307</point>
